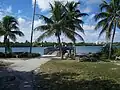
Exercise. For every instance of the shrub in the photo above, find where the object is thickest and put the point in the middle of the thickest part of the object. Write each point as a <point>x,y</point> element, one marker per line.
<point>2,55</point>
<point>29,55</point>
<point>92,57</point>
<point>105,51</point>
<point>117,53</point>
<point>19,55</point>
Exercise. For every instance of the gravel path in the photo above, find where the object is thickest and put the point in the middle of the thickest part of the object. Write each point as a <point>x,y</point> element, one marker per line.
<point>23,70</point>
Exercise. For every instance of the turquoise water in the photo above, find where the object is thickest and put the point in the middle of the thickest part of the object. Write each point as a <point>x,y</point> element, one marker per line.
<point>79,49</point>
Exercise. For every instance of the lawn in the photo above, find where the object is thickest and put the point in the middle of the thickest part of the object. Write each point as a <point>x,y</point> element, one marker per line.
<point>73,75</point>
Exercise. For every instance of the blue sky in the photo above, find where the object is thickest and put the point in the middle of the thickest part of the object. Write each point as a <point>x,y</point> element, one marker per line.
<point>22,10</point>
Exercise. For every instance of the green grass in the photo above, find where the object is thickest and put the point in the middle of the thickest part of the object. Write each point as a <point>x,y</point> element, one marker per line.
<point>73,75</point>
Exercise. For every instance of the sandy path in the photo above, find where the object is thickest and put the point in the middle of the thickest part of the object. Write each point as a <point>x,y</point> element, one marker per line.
<point>29,65</point>
<point>23,70</point>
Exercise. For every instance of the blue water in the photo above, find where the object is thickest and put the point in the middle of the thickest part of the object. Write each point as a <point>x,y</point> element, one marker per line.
<point>88,49</point>
<point>79,49</point>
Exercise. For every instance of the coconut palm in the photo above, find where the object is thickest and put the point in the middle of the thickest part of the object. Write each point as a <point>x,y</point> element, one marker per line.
<point>73,16</point>
<point>9,28</point>
<point>56,24</point>
<point>108,20</point>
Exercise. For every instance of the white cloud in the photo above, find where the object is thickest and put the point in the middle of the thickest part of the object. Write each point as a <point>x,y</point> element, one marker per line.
<point>21,21</point>
<point>88,27</point>
<point>19,11</point>
<point>1,16</point>
<point>44,4</point>
<point>5,11</point>
<point>86,10</point>
<point>25,27</point>
<point>90,20</point>
<point>9,9</point>
<point>37,23</point>
<point>91,16</point>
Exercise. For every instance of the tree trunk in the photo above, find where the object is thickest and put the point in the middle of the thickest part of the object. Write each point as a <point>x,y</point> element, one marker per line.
<point>74,50</point>
<point>110,48</point>
<point>5,42</point>
<point>60,46</point>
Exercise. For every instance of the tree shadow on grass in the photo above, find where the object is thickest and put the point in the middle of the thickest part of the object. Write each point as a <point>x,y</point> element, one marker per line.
<point>65,81</point>
<point>15,80</point>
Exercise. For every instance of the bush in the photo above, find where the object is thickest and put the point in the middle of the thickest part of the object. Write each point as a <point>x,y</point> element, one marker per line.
<point>105,52</point>
<point>28,55</point>
<point>92,57</point>
<point>117,53</point>
<point>19,55</point>
<point>2,55</point>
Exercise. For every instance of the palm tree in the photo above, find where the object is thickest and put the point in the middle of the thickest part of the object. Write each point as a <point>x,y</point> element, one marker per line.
<point>56,25</point>
<point>9,28</point>
<point>108,20</point>
<point>73,16</point>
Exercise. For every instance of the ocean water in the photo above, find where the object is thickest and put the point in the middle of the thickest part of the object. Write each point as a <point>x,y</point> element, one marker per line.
<point>87,49</point>
<point>79,49</point>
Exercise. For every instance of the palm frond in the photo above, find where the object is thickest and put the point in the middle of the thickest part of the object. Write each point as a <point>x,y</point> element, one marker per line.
<point>101,23</point>
<point>103,29</point>
<point>12,36</point>
<point>51,6</point>
<point>79,28</point>
<point>14,26</point>
<point>101,15</point>
<point>104,5</point>
<point>17,33</point>
<point>75,34</point>
<point>42,28</point>
<point>45,35</point>
<point>70,36</point>
<point>46,19</point>
<point>77,20</point>
<point>81,15</point>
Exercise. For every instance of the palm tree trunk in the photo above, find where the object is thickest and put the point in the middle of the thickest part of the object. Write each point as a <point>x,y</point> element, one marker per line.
<point>60,46</point>
<point>74,50</point>
<point>5,42</point>
<point>111,43</point>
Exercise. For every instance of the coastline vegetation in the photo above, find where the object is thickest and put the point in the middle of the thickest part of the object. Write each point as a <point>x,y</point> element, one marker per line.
<point>47,44</point>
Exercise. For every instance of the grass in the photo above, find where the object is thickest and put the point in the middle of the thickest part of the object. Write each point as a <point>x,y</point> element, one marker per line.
<point>73,75</point>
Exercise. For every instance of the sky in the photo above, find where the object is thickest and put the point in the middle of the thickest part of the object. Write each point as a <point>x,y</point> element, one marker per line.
<point>22,10</point>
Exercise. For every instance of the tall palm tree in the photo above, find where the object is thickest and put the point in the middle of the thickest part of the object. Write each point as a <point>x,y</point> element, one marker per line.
<point>56,24</point>
<point>108,20</point>
<point>10,29</point>
<point>73,16</point>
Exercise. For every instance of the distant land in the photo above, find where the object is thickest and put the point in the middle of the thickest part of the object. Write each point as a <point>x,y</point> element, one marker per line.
<point>46,44</point>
